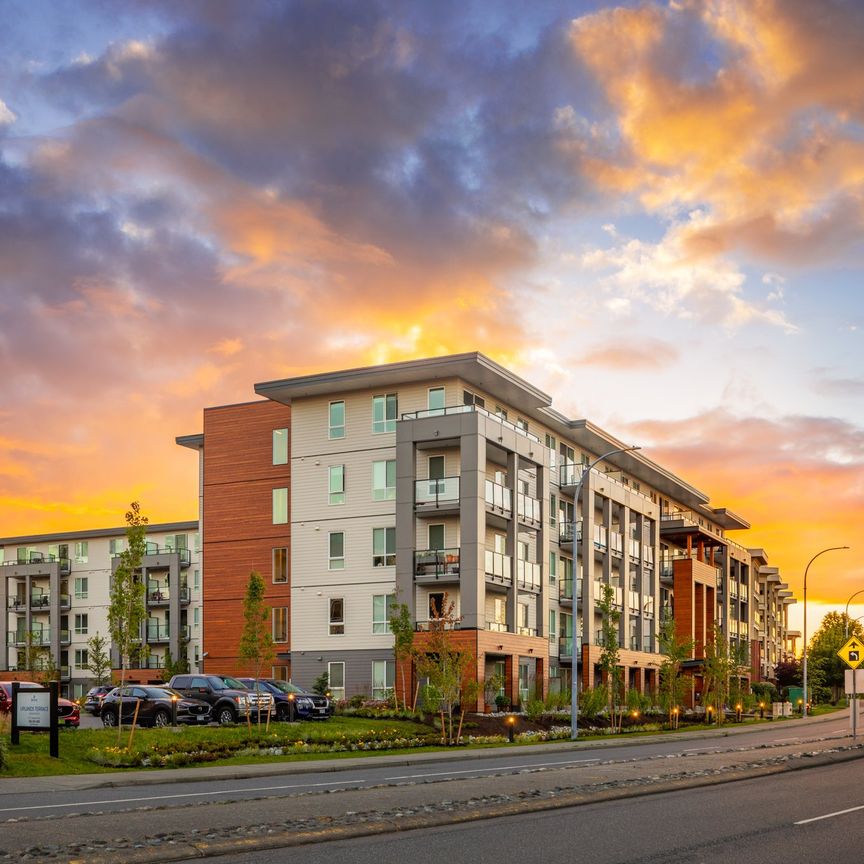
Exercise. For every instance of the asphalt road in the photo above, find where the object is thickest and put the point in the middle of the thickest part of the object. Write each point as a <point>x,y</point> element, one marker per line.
<point>802,816</point>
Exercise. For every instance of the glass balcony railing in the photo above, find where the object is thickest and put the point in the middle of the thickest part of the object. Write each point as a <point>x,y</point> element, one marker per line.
<point>159,596</point>
<point>432,494</point>
<point>527,508</point>
<point>498,498</point>
<point>498,567</point>
<point>526,631</point>
<point>528,575</point>
<point>497,627</point>
<point>157,633</point>
<point>565,646</point>
<point>467,409</point>
<point>436,562</point>
<point>40,601</point>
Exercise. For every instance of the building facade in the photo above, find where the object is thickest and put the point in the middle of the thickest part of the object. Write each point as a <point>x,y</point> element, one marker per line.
<point>55,590</point>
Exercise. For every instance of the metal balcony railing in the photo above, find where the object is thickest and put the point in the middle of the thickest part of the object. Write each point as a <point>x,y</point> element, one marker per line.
<point>467,409</point>
<point>436,562</point>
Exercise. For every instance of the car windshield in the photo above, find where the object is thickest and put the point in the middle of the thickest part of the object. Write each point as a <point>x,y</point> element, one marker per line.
<point>288,687</point>
<point>161,693</point>
<point>234,683</point>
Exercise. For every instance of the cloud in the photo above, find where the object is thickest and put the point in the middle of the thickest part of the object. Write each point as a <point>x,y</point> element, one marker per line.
<point>7,117</point>
<point>645,355</point>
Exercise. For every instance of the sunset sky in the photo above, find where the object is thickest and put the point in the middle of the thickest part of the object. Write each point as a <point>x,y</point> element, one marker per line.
<point>653,211</point>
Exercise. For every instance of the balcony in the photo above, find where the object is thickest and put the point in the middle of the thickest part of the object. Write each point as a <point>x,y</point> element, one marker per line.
<point>185,632</point>
<point>616,543</point>
<point>565,592</point>
<point>158,633</point>
<point>528,509</point>
<point>435,624</point>
<point>158,596</point>
<point>40,600</point>
<point>65,673</point>
<point>34,638</point>
<point>468,409</point>
<point>65,601</point>
<point>526,631</point>
<point>185,595</point>
<point>154,661</point>
<point>497,627</point>
<point>499,499</point>
<point>66,637</point>
<point>437,564</point>
<point>528,575</point>
<point>436,496</point>
<point>498,567</point>
<point>17,604</point>
<point>565,646</point>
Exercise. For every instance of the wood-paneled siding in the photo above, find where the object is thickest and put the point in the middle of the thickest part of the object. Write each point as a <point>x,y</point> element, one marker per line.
<point>238,530</point>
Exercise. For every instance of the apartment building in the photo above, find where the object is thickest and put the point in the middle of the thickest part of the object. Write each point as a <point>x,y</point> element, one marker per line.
<point>452,477</point>
<point>54,590</point>
<point>773,640</point>
<point>245,506</point>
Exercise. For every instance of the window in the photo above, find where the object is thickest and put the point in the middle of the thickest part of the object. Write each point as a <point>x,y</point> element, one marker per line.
<point>436,605</point>
<point>196,580</point>
<point>81,552</point>
<point>553,509</point>
<point>81,587</point>
<point>81,658</point>
<point>436,537</point>
<point>280,565</point>
<point>522,424</point>
<point>384,480</point>
<point>280,624</point>
<point>336,547</point>
<point>469,398</point>
<point>279,673</point>
<point>435,400</point>
<point>81,624</point>
<point>384,412</point>
<point>337,420</point>
<point>500,412</point>
<point>553,568</point>
<point>336,679</point>
<point>553,625</point>
<point>280,506</point>
<point>383,678</point>
<point>337,484</point>
<point>436,467</point>
<point>337,616</point>
<point>176,542</point>
<point>383,547</point>
<point>196,616</point>
<point>381,604</point>
<point>280,446</point>
<point>522,550</point>
<point>116,546</point>
<point>499,610</point>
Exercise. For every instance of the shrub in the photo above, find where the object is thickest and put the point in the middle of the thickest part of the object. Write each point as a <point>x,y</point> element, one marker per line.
<point>534,709</point>
<point>4,755</point>
<point>593,700</point>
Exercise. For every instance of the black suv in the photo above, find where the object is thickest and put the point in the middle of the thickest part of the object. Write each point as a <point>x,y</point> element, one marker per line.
<point>228,698</point>
<point>293,702</point>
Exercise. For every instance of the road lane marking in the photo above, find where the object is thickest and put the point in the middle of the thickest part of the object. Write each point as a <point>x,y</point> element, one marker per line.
<point>830,815</point>
<point>178,795</point>
<point>497,768</point>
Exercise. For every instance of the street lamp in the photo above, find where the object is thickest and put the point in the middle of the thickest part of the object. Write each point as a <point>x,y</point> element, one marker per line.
<point>846,617</point>
<point>574,689</point>
<point>829,549</point>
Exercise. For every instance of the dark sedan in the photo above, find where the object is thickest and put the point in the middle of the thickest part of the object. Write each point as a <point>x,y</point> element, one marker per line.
<point>155,706</point>
<point>94,697</point>
<point>306,705</point>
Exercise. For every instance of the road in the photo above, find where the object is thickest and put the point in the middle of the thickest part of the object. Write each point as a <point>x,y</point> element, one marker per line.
<point>802,816</point>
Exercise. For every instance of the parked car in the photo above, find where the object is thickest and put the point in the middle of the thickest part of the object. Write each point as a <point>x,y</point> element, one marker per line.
<point>307,705</point>
<point>94,697</point>
<point>69,713</point>
<point>154,706</point>
<point>228,698</point>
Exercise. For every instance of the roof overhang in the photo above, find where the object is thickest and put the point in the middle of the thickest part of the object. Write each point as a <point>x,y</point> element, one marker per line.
<point>726,519</point>
<point>193,442</point>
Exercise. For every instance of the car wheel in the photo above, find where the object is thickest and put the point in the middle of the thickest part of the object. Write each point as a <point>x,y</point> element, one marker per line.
<point>226,715</point>
<point>109,718</point>
<point>282,713</point>
<point>162,719</point>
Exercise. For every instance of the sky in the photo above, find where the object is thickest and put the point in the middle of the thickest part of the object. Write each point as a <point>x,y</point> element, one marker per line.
<point>652,211</point>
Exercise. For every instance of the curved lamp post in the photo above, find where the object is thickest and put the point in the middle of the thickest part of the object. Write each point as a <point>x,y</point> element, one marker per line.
<point>846,618</point>
<point>574,689</point>
<point>829,549</point>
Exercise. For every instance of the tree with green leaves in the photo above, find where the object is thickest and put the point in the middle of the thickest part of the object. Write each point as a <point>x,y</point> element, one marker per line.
<point>446,665</point>
<point>831,636</point>
<point>173,667</point>
<point>127,608</point>
<point>610,652</point>
<point>98,659</point>
<point>256,639</point>
<point>402,628</point>
<point>675,650</point>
<point>724,665</point>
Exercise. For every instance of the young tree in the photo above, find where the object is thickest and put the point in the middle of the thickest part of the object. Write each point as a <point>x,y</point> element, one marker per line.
<point>610,653</point>
<point>256,640</point>
<point>822,651</point>
<point>723,667</point>
<point>127,609</point>
<point>445,665</point>
<point>676,651</point>
<point>402,628</point>
<point>98,659</point>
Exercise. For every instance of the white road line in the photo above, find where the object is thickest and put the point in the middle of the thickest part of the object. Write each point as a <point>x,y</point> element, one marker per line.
<point>496,768</point>
<point>830,815</point>
<point>179,795</point>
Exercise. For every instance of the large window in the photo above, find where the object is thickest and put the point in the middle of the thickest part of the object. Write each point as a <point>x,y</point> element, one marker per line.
<point>82,659</point>
<point>383,547</point>
<point>280,624</point>
<point>383,678</point>
<point>280,506</point>
<point>336,542</point>
<point>384,411</point>
<point>82,555</point>
<point>436,537</point>
<point>81,587</point>
<point>470,398</point>
<point>280,564</point>
<point>336,679</point>
<point>381,604</point>
<point>435,400</point>
<point>337,419</point>
<point>280,446</point>
<point>337,484</point>
<point>337,616</point>
<point>384,480</point>
<point>116,546</point>
<point>81,624</point>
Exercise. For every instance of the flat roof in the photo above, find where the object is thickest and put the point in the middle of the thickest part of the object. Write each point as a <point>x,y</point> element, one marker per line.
<point>154,528</point>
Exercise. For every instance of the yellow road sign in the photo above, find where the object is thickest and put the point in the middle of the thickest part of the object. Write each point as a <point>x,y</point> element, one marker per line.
<point>852,653</point>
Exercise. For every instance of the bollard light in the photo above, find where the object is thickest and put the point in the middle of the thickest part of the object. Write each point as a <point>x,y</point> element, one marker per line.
<point>511,727</point>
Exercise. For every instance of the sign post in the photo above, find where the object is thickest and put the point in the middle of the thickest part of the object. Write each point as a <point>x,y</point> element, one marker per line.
<point>35,710</point>
<point>852,654</point>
